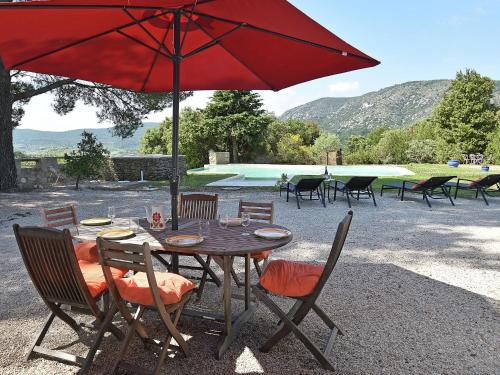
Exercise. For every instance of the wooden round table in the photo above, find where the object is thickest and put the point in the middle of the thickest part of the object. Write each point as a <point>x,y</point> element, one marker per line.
<point>224,243</point>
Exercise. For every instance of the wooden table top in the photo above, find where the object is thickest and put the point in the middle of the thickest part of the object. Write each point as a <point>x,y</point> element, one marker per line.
<point>230,241</point>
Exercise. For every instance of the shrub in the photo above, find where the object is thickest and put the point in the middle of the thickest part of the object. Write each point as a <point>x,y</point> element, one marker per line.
<point>422,151</point>
<point>493,149</point>
<point>392,147</point>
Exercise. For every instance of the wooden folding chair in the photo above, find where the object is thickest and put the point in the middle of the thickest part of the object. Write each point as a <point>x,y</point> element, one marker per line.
<point>61,217</point>
<point>305,282</point>
<point>168,297</point>
<point>262,212</point>
<point>59,278</point>
<point>202,207</point>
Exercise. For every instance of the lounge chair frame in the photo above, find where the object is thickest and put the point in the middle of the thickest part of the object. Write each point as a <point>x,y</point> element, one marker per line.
<point>305,185</point>
<point>50,260</point>
<point>427,188</point>
<point>290,321</point>
<point>137,258</point>
<point>483,186</point>
<point>357,187</point>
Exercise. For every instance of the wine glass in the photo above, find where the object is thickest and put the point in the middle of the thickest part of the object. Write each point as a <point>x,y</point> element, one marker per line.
<point>111,213</point>
<point>204,228</point>
<point>245,222</point>
<point>223,221</point>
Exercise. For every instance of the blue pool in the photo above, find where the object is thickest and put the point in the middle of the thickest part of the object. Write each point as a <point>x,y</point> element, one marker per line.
<point>267,174</point>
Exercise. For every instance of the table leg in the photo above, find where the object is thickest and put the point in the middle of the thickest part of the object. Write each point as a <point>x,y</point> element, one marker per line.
<point>232,327</point>
<point>175,263</point>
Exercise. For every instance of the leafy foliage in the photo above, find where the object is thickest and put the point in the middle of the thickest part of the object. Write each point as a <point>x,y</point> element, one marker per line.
<point>467,115</point>
<point>324,145</point>
<point>88,160</point>
<point>291,149</point>
<point>422,151</point>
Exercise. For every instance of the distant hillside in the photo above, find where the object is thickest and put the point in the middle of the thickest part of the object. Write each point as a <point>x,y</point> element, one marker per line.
<point>39,142</point>
<point>396,106</point>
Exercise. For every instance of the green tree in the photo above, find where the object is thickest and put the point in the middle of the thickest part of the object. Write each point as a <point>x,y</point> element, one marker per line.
<point>493,149</point>
<point>422,151</point>
<point>307,130</point>
<point>291,150</point>
<point>125,109</point>
<point>467,115</point>
<point>237,122</point>
<point>88,160</point>
<point>325,144</point>
<point>393,146</point>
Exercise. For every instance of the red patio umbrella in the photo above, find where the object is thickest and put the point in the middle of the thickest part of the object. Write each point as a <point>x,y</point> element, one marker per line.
<point>173,46</point>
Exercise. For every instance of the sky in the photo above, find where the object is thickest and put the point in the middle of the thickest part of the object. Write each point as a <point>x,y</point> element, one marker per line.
<point>414,40</point>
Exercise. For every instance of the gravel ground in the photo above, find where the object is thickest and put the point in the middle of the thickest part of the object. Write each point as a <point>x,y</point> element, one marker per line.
<point>416,291</point>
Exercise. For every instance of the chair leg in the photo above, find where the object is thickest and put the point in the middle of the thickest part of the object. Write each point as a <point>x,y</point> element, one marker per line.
<point>445,192</point>
<point>373,195</point>
<point>287,194</point>
<point>297,198</point>
<point>322,197</point>
<point>132,328</point>
<point>290,326</point>
<point>426,199</point>
<point>206,271</point>
<point>257,266</point>
<point>41,334</point>
<point>105,325</point>
<point>236,279</point>
<point>484,196</point>
<point>348,198</point>
<point>402,194</point>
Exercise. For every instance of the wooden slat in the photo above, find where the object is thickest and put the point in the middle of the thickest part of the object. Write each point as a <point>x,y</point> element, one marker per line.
<point>127,265</point>
<point>60,223</point>
<point>57,210</point>
<point>123,256</point>
<point>67,215</point>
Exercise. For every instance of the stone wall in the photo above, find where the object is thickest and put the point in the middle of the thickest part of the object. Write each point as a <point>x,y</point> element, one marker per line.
<point>37,172</point>
<point>155,167</point>
<point>215,158</point>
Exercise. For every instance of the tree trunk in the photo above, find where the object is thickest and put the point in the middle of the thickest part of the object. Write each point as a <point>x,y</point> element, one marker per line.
<point>234,149</point>
<point>8,173</point>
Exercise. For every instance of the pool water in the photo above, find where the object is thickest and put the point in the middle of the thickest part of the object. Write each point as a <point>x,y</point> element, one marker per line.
<point>274,171</point>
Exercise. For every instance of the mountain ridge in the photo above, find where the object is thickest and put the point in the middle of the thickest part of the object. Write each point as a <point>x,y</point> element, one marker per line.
<point>397,105</point>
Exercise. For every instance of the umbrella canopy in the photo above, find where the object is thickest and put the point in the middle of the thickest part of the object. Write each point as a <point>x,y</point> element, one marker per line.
<point>173,45</point>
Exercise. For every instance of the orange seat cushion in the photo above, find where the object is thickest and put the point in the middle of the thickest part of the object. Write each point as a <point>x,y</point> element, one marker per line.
<point>418,185</point>
<point>136,289</point>
<point>261,255</point>
<point>87,251</point>
<point>94,277</point>
<point>291,279</point>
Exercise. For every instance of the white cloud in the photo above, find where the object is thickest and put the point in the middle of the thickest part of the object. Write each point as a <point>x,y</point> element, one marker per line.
<point>344,86</point>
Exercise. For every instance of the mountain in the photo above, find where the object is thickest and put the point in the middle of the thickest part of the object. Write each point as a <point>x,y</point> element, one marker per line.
<point>395,106</point>
<point>40,142</point>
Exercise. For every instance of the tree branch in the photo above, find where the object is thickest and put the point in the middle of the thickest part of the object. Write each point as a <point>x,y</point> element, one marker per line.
<point>42,90</point>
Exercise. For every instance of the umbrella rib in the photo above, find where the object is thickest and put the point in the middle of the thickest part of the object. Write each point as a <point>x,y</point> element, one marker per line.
<point>80,41</point>
<point>236,58</point>
<point>138,41</point>
<point>190,19</point>
<point>155,58</point>
<point>213,42</point>
<point>289,37</point>
<point>147,31</point>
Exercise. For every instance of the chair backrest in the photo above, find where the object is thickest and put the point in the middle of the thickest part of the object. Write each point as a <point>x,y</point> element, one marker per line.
<point>50,259</point>
<point>130,257</point>
<point>59,216</point>
<point>434,182</point>
<point>261,211</point>
<point>338,244</point>
<point>486,182</point>
<point>198,206</point>
<point>359,182</point>
<point>307,184</point>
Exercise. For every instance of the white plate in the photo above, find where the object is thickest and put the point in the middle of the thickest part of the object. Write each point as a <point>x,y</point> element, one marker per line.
<point>115,234</point>
<point>272,233</point>
<point>184,240</point>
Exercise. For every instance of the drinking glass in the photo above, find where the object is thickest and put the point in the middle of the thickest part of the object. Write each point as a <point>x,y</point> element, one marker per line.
<point>111,213</point>
<point>204,228</point>
<point>223,221</point>
<point>245,219</point>
<point>245,222</point>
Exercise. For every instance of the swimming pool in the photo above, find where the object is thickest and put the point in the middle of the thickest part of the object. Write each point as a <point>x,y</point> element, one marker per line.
<point>267,174</point>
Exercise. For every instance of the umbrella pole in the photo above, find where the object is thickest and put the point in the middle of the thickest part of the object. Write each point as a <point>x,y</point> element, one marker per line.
<point>174,181</point>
